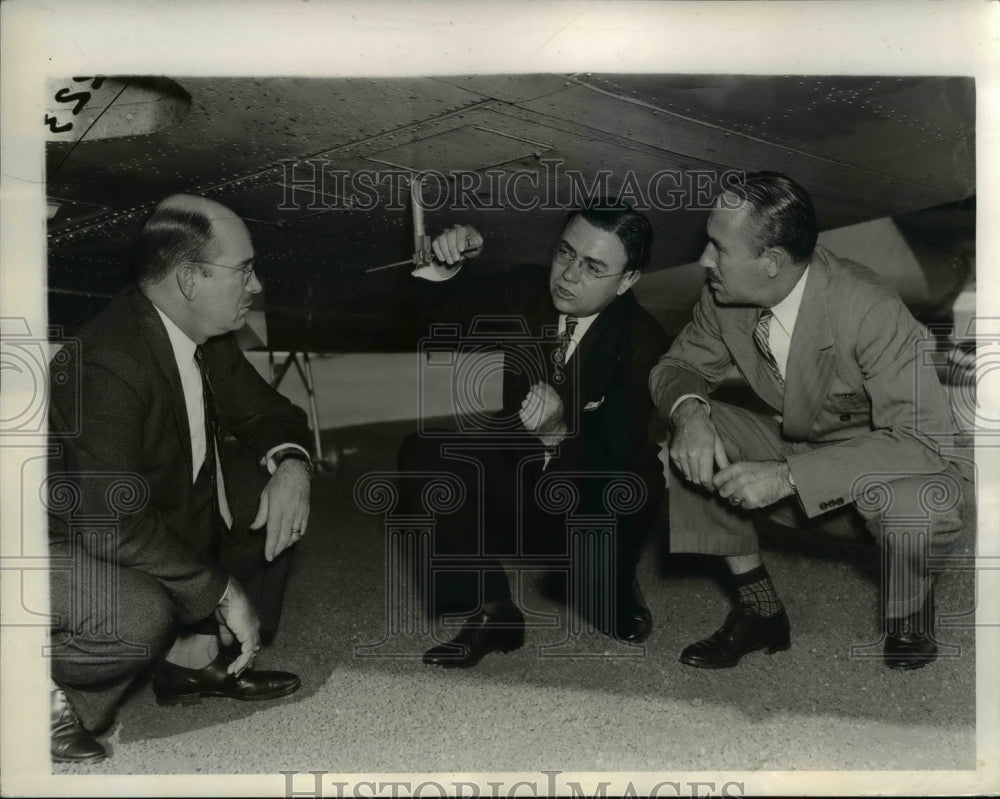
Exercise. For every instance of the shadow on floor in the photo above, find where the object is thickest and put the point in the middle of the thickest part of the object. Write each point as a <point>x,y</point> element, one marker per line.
<point>337,601</point>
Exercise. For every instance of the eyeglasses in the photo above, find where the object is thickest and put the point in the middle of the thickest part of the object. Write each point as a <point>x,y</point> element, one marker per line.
<point>246,270</point>
<point>590,270</point>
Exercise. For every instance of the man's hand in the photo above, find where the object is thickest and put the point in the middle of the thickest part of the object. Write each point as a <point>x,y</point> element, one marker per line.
<point>696,447</point>
<point>541,413</point>
<point>754,484</point>
<point>238,620</point>
<point>284,505</point>
<point>455,244</point>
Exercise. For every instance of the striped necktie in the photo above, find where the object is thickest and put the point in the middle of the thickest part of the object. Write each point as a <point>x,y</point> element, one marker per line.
<point>761,337</point>
<point>559,356</point>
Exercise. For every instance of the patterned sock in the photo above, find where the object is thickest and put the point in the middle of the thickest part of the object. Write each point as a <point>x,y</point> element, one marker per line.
<point>755,589</point>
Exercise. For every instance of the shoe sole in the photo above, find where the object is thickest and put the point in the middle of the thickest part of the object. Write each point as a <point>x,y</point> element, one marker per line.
<point>81,760</point>
<point>909,665</point>
<point>458,663</point>
<point>194,699</point>
<point>704,664</point>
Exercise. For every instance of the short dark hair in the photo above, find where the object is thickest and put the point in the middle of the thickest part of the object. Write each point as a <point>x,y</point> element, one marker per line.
<point>632,229</point>
<point>780,213</point>
<point>170,236</point>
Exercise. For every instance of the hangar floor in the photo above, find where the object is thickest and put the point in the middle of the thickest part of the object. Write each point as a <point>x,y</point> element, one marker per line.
<point>610,708</point>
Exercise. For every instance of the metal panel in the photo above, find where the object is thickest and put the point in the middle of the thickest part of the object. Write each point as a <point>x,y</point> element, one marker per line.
<point>917,129</point>
<point>238,128</point>
<point>467,149</point>
<point>635,120</point>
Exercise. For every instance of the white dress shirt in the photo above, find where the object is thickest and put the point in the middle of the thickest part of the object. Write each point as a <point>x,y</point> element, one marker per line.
<point>194,401</point>
<point>785,313</point>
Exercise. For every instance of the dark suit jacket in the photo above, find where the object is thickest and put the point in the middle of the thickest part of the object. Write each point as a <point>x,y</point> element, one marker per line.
<point>131,420</point>
<point>605,394</point>
<point>858,381</point>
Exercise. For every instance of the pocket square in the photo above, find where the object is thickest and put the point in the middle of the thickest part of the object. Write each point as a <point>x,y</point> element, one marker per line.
<point>593,406</point>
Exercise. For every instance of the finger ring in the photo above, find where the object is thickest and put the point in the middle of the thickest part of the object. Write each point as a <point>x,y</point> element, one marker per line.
<point>735,501</point>
<point>296,531</point>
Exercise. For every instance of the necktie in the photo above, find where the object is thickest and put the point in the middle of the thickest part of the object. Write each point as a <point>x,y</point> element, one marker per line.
<point>761,334</point>
<point>211,439</point>
<point>559,356</point>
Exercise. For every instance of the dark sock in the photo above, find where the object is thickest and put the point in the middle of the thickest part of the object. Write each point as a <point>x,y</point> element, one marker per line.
<point>755,589</point>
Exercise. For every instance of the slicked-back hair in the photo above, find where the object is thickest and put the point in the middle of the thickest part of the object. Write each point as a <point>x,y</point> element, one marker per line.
<point>632,229</point>
<point>780,213</point>
<point>170,236</point>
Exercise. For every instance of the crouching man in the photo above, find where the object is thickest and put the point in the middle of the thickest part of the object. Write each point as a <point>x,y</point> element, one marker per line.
<point>858,433</point>
<point>161,376</point>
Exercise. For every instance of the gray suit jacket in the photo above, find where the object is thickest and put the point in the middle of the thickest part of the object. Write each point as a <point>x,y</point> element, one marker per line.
<point>859,384</point>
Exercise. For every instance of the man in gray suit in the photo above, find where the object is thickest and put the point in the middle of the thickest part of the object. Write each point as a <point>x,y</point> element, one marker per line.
<point>859,431</point>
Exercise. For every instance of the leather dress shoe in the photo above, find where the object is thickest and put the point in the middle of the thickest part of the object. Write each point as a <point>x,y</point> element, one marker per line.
<point>71,742</point>
<point>909,642</point>
<point>744,630</point>
<point>501,631</point>
<point>633,621</point>
<point>176,685</point>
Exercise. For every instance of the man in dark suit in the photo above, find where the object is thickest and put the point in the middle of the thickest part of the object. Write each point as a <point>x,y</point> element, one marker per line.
<point>859,435</point>
<point>577,353</point>
<point>137,451</point>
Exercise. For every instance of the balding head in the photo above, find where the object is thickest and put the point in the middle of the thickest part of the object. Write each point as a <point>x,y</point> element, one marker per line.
<point>195,263</point>
<point>180,229</point>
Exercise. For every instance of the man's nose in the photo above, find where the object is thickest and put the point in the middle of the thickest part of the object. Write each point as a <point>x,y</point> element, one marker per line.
<point>573,271</point>
<point>254,286</point>
<point>707,260</point>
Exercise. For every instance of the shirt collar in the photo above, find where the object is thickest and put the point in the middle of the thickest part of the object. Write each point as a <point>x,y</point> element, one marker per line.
<point>787,311</point>
<point>583,323</point>
<point>182,346</point>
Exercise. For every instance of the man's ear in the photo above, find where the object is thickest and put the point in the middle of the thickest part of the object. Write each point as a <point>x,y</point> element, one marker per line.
<point>775,259</point>
<point>186,280</point>
<point>628,280</point>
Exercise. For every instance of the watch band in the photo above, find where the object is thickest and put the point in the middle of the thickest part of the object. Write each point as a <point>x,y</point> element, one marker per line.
<point>294,454</point>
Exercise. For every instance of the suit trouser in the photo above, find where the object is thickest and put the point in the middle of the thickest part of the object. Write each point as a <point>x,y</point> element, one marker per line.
<point>898,514</point>
<point>113,621</point>
<point>498,519</point>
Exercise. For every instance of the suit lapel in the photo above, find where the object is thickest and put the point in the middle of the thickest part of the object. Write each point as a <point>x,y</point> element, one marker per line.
<point>811,359</point>
<point>151,328</point>
<point>599,344</point>
<point>738,335</point>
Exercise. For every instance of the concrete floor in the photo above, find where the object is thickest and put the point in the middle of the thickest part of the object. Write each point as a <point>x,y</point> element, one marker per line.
<point>610,708</point>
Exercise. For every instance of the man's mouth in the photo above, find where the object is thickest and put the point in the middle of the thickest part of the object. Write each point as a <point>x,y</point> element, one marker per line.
<point>564,293</point>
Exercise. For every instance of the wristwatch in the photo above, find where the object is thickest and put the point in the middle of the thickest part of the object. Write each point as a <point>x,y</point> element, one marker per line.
<point>791,481</point>
<point>294,454</point>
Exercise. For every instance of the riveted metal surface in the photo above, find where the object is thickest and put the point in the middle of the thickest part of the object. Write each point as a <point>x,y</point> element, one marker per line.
<point>840,118</point>
<point>502,144</point>
<point>239,127</point>
<point>468,148</point>
<point>105,108</point>
<point>73,212</point>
